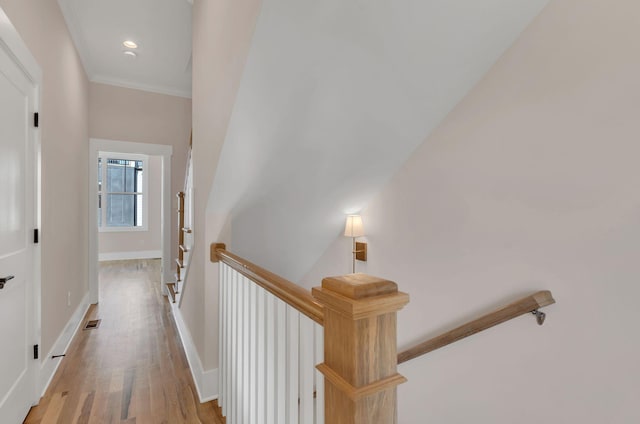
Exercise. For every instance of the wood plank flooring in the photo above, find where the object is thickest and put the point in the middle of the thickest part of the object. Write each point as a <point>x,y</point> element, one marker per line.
<point>132,368</point>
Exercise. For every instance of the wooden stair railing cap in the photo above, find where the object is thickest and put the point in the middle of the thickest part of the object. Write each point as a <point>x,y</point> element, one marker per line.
<point>360,295</point>
<point>358,286</point>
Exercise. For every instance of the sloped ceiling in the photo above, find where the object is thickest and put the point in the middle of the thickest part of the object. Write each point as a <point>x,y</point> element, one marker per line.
<point>161,28</point>
<point>335,97</point>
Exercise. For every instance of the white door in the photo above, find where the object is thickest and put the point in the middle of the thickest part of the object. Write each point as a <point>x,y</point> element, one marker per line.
<point>17,221</point>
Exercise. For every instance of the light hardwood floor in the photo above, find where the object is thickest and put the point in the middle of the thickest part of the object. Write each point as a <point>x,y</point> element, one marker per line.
<point>132,369</point>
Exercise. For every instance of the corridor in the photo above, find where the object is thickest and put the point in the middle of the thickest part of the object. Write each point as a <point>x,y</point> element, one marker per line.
<point>132,367</point>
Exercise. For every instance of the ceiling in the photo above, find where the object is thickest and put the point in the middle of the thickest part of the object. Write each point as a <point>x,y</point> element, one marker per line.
<point>161,28</point>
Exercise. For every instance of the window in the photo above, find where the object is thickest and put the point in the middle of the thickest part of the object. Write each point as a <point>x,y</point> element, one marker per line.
<point>122,192</point>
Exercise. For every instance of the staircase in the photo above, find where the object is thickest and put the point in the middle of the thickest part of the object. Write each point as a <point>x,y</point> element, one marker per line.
<point>185,235</point>
<point>288,355</point>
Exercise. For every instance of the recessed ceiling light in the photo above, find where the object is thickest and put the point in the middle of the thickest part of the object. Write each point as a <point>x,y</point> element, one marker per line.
<point>130,44</point>
<point>130,54</point>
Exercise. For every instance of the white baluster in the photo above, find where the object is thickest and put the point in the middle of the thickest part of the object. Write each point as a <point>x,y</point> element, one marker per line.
<point>293,344</point>
<point>237,349</point>
<point>237,366</point>
<point>307,367</point>
<point>229,340</point>
<point>261,382</point>
<point>222,343</point>
<point>281,365</point>
<point>237,379</point>
<point>253,352</point>
<point>319,378</point>
<point>271,386</point>
<point>246,358</point>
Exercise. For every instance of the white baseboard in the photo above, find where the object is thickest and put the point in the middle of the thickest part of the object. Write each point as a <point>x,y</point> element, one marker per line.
<point>49,366</point>
<point>123,256</point>
<point>206,381</point>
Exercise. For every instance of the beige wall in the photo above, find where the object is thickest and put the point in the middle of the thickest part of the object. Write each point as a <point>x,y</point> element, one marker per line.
<point>530,183</point>
<point>64,135</point>
<point>222,34</point>
<point>138,116</point>
<point>140,241</point>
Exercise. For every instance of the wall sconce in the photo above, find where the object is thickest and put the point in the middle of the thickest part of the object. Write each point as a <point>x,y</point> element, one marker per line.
<point>353,229</point>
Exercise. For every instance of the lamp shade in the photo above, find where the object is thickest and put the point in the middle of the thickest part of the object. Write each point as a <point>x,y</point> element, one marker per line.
<point>354,227</point>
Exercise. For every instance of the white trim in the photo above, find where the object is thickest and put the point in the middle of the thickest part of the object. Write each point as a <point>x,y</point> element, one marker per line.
<point>125,156</point>
<point>123,229</point>
<point>49,366</point>
<point>130,147</point>
<point>167,91</point>
<point>206,381</point>
<point>96,145</point>
<point>123,256</point>
<point>16,47</point>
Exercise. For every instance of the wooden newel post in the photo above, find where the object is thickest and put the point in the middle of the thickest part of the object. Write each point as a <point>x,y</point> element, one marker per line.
<point>360,357</point>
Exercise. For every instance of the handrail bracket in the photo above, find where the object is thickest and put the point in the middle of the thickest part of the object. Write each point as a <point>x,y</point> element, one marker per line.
<point>540,316</point>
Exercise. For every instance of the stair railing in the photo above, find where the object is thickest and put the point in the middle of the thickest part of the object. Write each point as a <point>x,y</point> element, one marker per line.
<point>528,304</point>
<point>185,235</point>
<point>175,287</point>
<point>290,356</point>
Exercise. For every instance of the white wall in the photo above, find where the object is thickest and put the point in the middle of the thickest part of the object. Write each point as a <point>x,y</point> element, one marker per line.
<point>334,98</point>
<point>222,34</point>
<point>64,138</point>
<point>530,183</point>
<point>132,244</point>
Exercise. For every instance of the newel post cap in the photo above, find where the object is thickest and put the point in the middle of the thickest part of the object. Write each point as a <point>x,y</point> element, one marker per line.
<point>360,295</point>
<point>213,254</point>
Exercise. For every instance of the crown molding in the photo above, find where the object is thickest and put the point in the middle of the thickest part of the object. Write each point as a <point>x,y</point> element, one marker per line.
<point>169,91</point>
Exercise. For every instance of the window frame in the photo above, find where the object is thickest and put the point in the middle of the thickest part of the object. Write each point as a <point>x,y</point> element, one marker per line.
<point>102,193</point>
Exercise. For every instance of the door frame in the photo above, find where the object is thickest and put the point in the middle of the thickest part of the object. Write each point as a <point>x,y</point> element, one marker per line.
<point>165,151</point>
<point>12,43</point>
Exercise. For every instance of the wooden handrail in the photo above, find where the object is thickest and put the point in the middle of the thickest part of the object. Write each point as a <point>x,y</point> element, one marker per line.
<point>513,310</point>
<point>285,290</point>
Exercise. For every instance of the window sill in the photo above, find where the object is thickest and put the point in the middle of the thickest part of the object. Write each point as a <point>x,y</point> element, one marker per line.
<point>122,229</point>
